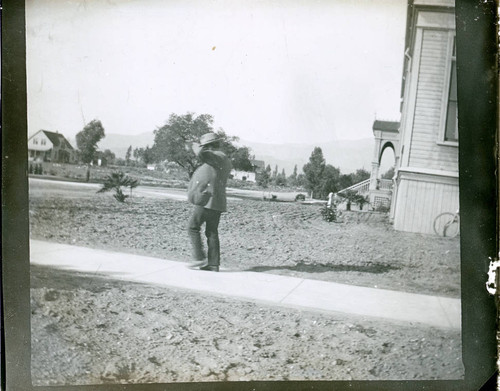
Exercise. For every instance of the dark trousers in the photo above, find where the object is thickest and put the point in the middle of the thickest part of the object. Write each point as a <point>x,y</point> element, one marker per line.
<point>211,219</point>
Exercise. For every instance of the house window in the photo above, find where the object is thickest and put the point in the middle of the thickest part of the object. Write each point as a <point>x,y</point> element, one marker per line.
<point>451,130</point>
<point>448,134</point>
<point>43,142</point>
<point>35,141</point>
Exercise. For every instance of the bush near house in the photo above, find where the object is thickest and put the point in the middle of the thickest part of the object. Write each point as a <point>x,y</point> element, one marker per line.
<point>36,168</point>
<point>352,197</point>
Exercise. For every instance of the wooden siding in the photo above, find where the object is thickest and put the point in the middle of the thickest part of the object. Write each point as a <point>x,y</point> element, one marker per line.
<point>420,201</point>
<point>39,136</point>
<point>425,152</point>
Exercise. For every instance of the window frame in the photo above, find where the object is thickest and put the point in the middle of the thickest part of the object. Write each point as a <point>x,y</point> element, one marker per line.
<point>450,60</point>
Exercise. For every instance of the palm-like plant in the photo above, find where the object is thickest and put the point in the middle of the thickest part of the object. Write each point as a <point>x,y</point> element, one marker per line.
<point>352,196</point>
<point>115,181</point>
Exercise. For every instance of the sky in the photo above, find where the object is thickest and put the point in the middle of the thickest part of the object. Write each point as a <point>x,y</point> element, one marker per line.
<point>274,71</point>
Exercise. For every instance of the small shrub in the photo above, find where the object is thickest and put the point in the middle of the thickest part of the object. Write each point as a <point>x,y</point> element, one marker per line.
<point>382,208</point>
<point>115,181</point>
<point>119,196</point>
<point>329,213</point>
<point>300,197</point>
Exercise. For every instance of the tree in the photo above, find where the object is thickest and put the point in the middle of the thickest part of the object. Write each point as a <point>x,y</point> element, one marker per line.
<point>292,179</point>
<point>174,139</point>
<point>313,171</point>
<point>301,180</point>
<point>139,154</point>
<point>345,181</point>
<point>128,155</point>
<point>360,175</point>
<point>144,155</point>
<point>86,141</point>
<point>329,181</point>
<point>148,155</point>
<point>280,179</point>
<point>107,157</point>
<point>242,160</point>
<point>136,153</point>
<point>264,177</point>
<point>389,174</point>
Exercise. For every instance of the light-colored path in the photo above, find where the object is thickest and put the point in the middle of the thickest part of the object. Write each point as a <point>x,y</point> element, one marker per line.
<point>270,288</point>
<point>50,186</point>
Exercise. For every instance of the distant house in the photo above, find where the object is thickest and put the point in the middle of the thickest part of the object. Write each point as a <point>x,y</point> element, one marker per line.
<point>426,171</point>
<point>243,175</point>
<point>45,146</point>
<point>250,176</point>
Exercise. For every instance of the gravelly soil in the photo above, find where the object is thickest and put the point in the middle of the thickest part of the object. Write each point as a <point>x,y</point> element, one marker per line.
<point>101,331</point>
<point>104,331</point>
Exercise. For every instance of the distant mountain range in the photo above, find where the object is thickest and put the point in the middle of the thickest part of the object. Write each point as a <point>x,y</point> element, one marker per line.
<point>347,155</point>
<point>119,143</point>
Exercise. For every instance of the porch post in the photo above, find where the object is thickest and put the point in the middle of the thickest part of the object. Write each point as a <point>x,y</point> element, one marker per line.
<point>375,166</point>
<point>375,161</point>
<point>374,176</point>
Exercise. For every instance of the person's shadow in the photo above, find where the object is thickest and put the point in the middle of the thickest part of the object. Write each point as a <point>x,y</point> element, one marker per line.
<point>374,268</point>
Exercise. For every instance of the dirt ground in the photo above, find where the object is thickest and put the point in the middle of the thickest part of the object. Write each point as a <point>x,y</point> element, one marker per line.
<point>101,331</point>
<point>104,331</point>
<point>272,237</point>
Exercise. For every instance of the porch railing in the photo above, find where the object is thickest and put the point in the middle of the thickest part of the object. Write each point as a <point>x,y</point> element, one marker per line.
<point>360,188</point>
<point>385,184</point>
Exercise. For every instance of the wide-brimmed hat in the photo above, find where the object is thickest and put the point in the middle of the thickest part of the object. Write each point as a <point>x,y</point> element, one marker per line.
<point>209,138</point>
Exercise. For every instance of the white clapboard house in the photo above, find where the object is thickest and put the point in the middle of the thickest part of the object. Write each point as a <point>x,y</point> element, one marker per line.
<point>249,176</point>
<point>426,175</point>
<point>45,146</point>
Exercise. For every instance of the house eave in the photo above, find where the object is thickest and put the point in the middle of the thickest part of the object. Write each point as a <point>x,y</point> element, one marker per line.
<point>40,148</point>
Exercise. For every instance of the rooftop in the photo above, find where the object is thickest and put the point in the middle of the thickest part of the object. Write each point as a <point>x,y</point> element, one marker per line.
<point>386,126</point>
<point>57,139</point>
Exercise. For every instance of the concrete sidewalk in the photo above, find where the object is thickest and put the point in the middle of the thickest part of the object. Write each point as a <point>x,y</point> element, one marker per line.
<point>270,288</point>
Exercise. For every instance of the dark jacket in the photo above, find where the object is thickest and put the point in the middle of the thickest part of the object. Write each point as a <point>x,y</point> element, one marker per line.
<point>212,175</point>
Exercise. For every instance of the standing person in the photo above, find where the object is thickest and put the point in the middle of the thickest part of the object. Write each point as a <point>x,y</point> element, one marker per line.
<point>207,191</point>
<point>331,200</point>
